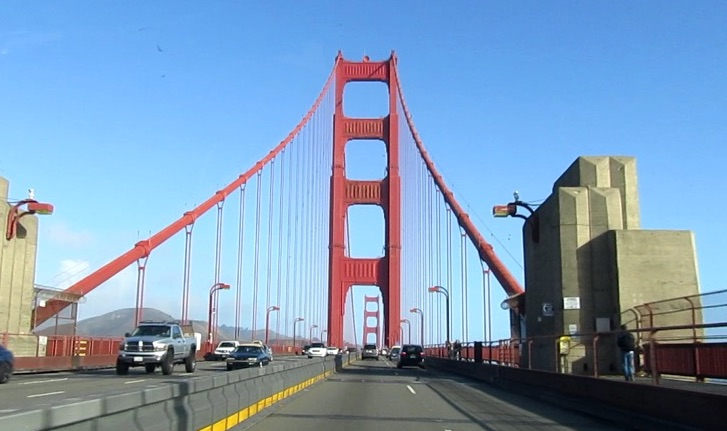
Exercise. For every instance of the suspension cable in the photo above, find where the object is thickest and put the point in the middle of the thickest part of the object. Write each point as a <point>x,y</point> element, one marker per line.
<point>279,254</point>
<point>240,262</point>
<point>187,271</point>
<point>449,257</point>
<point>256,274</point>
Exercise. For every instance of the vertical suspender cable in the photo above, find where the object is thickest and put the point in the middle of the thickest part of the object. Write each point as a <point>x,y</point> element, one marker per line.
<point>430,252</point>
<point>240,262</point>
<point>305,202</point>
<point>463,266</point>
<point>256,273</point>
<point>279,254</point>
<point>449,259</point>
<point>290,311</point>
<point>218,262</point>
<point>297,295</point>
<point>271,218</point>
<point>439,265</point>
<point>140,282</point>
<point>318,226</point>
<point>187,270</point>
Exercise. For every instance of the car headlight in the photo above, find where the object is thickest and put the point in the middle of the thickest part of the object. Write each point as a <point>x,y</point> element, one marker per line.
<point>159,347</point>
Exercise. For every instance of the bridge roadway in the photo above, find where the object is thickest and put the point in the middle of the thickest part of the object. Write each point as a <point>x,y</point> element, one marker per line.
<point>364,395</point>
<point>375,395</point>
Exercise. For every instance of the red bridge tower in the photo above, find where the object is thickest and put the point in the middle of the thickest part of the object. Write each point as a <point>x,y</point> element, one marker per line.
<point>384,272</point>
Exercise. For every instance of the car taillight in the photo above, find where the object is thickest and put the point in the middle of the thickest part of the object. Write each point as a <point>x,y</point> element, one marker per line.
<point>422,353</point>
<point>403,353</point>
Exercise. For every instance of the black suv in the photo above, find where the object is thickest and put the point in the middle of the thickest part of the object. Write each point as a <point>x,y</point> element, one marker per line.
<point>411,355</point>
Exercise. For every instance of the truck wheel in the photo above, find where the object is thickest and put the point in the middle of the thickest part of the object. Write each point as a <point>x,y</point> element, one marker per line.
<point>150,368</point>
<point>122,368</point>
<point>168,363</point>
<point>190,362</point>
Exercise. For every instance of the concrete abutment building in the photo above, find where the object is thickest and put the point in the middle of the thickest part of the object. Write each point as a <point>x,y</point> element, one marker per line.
<point>588,262</point>
<point>17,277</point>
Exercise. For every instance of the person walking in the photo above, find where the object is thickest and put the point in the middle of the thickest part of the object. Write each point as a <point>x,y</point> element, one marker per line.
<point>627,344</point>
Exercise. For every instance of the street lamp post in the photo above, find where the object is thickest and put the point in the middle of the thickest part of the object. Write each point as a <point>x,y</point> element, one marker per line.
<point>324,331</point>
<point>311,332</point>
<point>297,319</point>
<point>408,326</point>
<point>421,316</point>
<point>445,292</point>
<point>212,316</point>
<point>267,320</point>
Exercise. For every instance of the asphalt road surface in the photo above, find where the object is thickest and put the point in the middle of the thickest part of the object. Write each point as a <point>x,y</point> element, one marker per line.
<point>375,395</point>
<point>34,391</point>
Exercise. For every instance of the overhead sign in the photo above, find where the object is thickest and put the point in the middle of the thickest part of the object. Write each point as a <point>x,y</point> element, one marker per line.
<point>548,309</point>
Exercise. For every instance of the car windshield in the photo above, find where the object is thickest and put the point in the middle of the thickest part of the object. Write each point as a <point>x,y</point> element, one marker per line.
<point>226,344</point>
<point>248,349</point>
<point>395,349</point>
<point>317,345</point>
<point>152,330</point>
<point>412,349</point>
<point>370,347</point>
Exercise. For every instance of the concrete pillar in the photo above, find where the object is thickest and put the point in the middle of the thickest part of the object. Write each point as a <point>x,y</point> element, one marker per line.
<point>17,269</point>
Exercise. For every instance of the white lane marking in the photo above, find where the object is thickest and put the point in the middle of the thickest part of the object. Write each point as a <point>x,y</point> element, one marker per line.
<point>8,410</point>
<point>46,394</point>
<point>411,389</point>
<point>134,381</point>
<point>43,381</point>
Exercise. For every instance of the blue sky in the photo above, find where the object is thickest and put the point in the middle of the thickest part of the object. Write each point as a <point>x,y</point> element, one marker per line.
<point>126,115</point>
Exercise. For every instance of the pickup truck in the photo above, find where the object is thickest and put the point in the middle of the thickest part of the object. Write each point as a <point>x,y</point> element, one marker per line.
<point>158,344</point>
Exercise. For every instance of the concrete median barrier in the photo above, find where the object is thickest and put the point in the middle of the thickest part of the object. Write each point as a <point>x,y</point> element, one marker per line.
<point>205,403</point>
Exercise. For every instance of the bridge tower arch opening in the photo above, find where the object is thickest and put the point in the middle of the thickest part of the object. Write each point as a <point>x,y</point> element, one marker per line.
<point>346,271</point>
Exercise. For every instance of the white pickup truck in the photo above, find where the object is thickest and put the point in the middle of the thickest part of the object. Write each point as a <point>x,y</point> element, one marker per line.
<point>158,344</point>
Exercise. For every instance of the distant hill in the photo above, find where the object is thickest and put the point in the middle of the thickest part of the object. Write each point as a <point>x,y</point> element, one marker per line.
<point>118,322</point>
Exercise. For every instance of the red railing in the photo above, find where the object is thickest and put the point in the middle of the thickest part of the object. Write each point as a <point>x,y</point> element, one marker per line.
<point>698,358</point>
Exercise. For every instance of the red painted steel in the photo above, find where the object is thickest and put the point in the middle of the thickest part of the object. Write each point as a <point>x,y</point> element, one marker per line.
<point>384,272</point>
<point>371,329</point>
<point>143,248</point>
<point>484,249</point>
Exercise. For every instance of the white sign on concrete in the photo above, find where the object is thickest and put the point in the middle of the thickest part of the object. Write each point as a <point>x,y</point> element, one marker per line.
<point>571,303</point>
<point>548,309</point>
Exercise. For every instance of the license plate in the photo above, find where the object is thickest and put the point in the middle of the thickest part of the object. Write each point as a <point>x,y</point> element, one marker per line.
<point>138,359</point>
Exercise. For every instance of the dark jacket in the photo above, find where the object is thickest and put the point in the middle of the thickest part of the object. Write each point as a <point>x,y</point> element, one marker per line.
<point>626,341</point>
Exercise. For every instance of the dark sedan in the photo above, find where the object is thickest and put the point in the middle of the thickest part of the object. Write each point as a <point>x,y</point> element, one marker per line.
<point>248,355</point>
<point>6,364</point>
